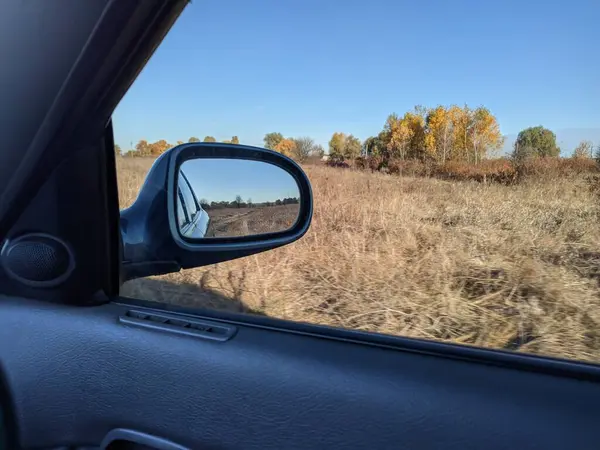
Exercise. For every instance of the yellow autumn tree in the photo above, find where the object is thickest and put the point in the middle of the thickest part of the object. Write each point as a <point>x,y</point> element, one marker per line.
<point>400,134</point>
<point>142,148</point>
<point>406,135</point>
<point>461,119</point>
<point>415,121</point>
<point>438,142</point>
<point>485,134</point>
<point>159,147</point>
<point>286,147</point>
<point>337,145</point>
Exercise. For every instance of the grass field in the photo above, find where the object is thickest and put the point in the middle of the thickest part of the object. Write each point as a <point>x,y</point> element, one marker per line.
<point>510,267</point>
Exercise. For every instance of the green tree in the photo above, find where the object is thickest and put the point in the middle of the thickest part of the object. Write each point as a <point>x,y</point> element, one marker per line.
<point>235,140</point>
<point>117,150</point>
<point>352,147</point>
<point>375,145</point>
<point>536,141</point>
<point>179,142</point>
<point>209,139</point>
<point>271,140</point>
<point>238,201</point>
<point>337,144</point>
<point>193,139</point>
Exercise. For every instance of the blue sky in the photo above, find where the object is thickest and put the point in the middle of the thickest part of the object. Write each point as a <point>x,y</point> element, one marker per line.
<point>225,179</point>
<point>312,67</point>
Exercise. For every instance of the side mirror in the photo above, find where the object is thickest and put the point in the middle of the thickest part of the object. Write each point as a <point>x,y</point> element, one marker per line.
<point>204,203</point>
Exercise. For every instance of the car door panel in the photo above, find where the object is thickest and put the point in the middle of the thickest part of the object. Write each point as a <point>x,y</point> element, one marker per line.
<point>83,373</point>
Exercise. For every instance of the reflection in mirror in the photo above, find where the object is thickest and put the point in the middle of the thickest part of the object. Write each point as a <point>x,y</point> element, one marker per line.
<point>234,197</point>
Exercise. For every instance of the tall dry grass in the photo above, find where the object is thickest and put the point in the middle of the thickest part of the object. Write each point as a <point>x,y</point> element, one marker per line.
<point>510,267</point>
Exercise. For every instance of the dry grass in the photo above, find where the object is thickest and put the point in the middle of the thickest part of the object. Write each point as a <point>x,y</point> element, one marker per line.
<point>511,267</point>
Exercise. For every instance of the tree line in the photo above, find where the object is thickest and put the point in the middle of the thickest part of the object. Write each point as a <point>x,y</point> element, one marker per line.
<point>437,135</point>
<point>238,202</point>
<point>433,135</point>
<point>146,149</point>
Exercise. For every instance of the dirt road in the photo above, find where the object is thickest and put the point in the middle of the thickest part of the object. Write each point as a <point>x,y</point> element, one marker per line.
<point>248,221</point>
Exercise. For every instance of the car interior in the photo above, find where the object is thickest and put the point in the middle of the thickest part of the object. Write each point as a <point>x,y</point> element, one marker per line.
<point>85,368</point>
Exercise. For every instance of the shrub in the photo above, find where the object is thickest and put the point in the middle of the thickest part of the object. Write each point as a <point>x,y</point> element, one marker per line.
<point>361,163</point>
<point>408,167</point>
<point>554,167</point>
<point>338,163</point>
<point>376,163</point>
<point>491,170</point>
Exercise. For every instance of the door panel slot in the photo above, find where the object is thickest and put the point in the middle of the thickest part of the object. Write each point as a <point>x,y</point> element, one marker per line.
<point>179,324</point>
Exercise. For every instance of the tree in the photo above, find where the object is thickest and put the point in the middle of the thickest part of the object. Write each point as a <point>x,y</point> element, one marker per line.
<point>352,147</point>
<point>117,150</point>
<point>318,150</point>
<point>485,134</point>
<point>584,149</point>
<point>271,140</point>
<point>304,147</point>
<point>235,140</point>
<point>462,121</point>
<point>143,148</point>
<point>536,141</point>
<point>439,134</point>
<point>405,137</point>
<point>209,139</point>
<point>286,147</point>
<point>375,145</point>
<point>193,139</point>
<point>249,203</point>
<point>179,142</point>
<point>159,147</point>
<point>337,144</point>
<point>238,201</point>
<point>400,134</point>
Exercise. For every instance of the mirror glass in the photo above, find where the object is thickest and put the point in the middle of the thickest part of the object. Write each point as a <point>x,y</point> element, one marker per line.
<point>219,198</point>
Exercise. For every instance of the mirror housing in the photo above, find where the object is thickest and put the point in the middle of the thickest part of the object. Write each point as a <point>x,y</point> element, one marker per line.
<point>151,241</point>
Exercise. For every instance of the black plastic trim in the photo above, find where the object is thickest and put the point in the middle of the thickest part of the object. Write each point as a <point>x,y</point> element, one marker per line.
<point>136,438</point>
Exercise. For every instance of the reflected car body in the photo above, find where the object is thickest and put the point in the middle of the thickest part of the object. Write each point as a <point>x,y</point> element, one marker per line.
<point>192,219</point>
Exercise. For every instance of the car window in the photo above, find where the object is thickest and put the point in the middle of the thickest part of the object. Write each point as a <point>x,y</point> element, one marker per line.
<point>453,154</point>
<point>182,215</point>
<point>189,203</point>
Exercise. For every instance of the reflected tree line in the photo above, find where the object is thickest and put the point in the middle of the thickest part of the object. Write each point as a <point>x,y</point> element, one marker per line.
<point>238,202</point>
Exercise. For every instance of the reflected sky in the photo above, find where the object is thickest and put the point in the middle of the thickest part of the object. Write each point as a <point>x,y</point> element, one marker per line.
<point>216,180</point>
